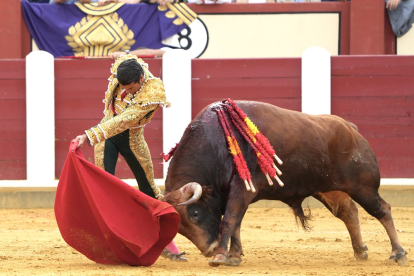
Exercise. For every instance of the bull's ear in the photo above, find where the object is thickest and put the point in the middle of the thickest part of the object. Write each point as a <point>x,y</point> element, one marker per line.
<point>207,191</point>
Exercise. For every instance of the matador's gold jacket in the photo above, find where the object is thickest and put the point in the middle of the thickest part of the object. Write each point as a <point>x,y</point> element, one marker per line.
<point>131,112</point>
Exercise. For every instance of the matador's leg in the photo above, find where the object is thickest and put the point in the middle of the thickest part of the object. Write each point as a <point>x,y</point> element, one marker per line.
<point>141,152</point>
<point>106,155</point>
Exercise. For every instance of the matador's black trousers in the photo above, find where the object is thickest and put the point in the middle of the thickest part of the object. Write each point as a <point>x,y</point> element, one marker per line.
<point>119,144</point>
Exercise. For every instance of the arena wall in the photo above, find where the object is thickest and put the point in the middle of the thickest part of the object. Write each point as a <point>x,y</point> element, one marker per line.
<point>373,92</point>
<point>13,119</point>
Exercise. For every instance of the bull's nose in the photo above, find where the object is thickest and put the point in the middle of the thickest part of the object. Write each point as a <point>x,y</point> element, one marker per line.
<point>210,250</point>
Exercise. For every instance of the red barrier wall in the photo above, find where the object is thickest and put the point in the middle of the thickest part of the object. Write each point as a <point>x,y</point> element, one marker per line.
<point>276,81</point>
<point>367,35</point>
<point>376,93</point>
<point>373,92</point>
<point>12,119</point>
<point>10,29</point>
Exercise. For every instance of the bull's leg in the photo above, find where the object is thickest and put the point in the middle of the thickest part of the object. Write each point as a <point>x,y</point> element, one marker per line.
<point>342,207</point>
<point>398,253</point>
<point>235,249</point>
<point>381,210</point>
<point>235,210</point>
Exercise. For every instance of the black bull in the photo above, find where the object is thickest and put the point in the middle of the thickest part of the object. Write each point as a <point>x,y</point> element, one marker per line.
<point>323,156</point>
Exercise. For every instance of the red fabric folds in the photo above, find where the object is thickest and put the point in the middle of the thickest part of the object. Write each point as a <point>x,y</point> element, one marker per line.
<point>107,220</point>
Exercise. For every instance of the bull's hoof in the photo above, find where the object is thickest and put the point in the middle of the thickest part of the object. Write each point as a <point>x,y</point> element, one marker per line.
<point>360,253</point>
<point>399,258</point>
<point>218,259</point>
<point>233,261</point>
<point>363,256</point>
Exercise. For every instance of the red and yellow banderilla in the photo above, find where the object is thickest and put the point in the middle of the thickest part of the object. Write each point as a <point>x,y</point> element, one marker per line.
<point>260,137</point>
<point>264,160</point>
<point>234,148</point>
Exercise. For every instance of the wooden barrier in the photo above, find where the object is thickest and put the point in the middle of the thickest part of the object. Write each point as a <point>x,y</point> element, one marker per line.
<point>12,119</point>
<point>376,94</point>
<point>11,30</point>
<point>276,81</point>
<point>373,92</point>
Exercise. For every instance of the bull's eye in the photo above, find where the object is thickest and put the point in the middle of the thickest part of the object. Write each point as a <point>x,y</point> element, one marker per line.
<point>194,213</point>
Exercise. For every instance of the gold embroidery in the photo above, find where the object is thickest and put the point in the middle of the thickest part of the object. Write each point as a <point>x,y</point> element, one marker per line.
<point>161,8</point>
<point>152,93</point>
<point>99,150</point>
<point>100,35</point>
<point>170,14</point>
<point>133,116</point>
<point>182,12</point>
<point>178,21</point>
<point>188,10</point>
<point>185,12</point>
<point>94,9</point>
<point>148,92</point>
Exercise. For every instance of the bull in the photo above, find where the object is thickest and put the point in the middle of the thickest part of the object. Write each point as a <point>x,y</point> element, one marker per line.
<point>323,156</point>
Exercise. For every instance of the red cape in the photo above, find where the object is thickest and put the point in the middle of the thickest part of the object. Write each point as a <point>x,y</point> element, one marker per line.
<point>107,220</point>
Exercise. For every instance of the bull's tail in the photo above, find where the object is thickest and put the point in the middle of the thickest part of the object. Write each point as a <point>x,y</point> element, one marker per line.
<point>302,218</point>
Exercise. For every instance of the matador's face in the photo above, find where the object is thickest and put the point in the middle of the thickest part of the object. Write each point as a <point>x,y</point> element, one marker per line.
<point>133,86</point>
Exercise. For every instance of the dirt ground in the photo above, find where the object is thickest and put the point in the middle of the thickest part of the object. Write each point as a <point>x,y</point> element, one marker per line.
<point>31,244</point>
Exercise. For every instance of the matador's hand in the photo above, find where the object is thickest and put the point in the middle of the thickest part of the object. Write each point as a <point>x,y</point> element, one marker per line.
<point>81,139</point>
<point>392,4</point>
<point>116,55</point>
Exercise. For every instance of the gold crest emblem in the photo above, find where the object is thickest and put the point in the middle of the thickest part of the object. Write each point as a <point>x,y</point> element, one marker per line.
<point>100,35</point>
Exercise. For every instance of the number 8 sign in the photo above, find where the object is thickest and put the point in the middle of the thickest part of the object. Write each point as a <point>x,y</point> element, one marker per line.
<point>193,39</point>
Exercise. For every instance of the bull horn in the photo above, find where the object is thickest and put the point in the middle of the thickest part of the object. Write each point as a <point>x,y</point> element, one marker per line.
<point>192,189</point>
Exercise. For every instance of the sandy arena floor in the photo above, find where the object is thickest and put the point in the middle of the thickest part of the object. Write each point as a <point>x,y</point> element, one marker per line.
<point>31,244</point>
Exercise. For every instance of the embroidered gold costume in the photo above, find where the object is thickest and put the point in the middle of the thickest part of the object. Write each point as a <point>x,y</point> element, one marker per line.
<point>129,112</point>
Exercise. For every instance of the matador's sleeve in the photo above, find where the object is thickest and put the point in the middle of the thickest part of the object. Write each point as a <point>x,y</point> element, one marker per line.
<point>133,116</point>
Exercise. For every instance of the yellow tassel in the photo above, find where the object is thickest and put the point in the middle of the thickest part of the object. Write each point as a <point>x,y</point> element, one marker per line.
<point>231,146</point>
<point>251,126</point>
<point>236,146</point>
